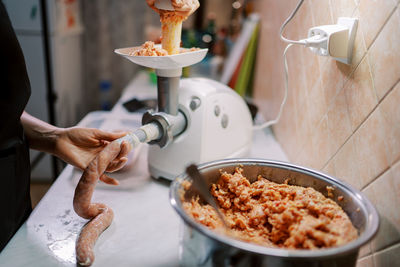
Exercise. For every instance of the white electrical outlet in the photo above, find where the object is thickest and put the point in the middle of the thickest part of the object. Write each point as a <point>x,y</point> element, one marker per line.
<point>351,24</point>
<point>338,39</point>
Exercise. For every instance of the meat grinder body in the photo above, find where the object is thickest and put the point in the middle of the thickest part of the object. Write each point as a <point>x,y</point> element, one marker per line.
<point>219,126</point>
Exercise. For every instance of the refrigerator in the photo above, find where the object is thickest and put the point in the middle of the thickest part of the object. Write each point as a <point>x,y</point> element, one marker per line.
<point>65,43</point>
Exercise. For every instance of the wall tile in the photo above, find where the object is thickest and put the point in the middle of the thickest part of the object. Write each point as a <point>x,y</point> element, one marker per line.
<point>302,121</point>
<point>382,194</point>
<point>346,166</point>
<point>370,145</point>
<point>298,69</point>
<point>396,181</point>
<point>342,8</point>
<point>304,157</point>
<point>286,129</point>
<point>388,257</point>
<point>321,18</point>
<point>333,75</point>
<point>360,94</point>
<point>320,145</point>
<point>365,250</point>
<point>384,56</point>
<point>311,67</point>
<point>303,20</point>
<point>390,108</point>
<point>338,122</point>
<point>366,262</point>
<point>269,66</point>
<point>330,168</point>
<point>359,48</point>
<point>311,62</point>
<point>296,91</point>
<point>371,20</point>
<point>296,73</point>
<point>316,104</point>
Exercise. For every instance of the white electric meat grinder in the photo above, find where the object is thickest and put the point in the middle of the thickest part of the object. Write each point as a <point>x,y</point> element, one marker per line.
<point>197,120</point>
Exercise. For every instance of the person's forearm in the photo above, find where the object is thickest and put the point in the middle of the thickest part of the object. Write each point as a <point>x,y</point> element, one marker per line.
<point>41,135</point>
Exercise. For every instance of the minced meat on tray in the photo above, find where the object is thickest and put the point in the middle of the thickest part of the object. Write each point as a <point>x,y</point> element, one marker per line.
<point>150,50</point>
<point>274,215</point>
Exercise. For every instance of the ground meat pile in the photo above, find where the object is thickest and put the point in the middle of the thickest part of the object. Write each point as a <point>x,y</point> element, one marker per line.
<point>148,49</point>
<point>274,215</point>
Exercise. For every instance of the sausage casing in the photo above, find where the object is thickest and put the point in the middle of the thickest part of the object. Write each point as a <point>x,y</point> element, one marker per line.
<point>99,214</point>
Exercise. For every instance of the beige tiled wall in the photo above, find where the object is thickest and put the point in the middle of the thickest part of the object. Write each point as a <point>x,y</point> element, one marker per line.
<point>344,120</point>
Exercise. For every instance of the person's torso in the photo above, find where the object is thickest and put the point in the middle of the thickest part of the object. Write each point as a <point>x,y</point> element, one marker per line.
<point>15,203</point>
<point>14,82</point>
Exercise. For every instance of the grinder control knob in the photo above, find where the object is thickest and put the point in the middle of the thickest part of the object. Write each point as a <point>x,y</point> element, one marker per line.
<point>224,121</point>
<point>217,110</point>
<point>194,103</point>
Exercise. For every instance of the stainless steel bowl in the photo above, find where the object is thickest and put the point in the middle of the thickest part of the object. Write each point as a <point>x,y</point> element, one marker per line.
<point>201,246</point>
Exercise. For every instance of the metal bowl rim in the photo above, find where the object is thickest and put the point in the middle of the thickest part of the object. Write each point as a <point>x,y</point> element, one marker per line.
<point>369,232</point>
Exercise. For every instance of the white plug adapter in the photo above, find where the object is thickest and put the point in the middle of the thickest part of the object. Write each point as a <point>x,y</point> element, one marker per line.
<point>335,40</point>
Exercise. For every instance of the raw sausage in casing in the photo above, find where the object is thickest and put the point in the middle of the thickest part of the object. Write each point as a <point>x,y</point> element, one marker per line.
<point>99,214</point>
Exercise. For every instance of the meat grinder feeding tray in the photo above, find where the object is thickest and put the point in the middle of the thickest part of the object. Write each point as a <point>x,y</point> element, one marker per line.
<point>177,61</point>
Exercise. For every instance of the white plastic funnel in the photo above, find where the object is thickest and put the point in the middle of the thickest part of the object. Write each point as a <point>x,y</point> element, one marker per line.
<point>177,61</point>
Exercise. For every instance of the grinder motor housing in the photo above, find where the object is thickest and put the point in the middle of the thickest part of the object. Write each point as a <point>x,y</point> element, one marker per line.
<point>218,126</point>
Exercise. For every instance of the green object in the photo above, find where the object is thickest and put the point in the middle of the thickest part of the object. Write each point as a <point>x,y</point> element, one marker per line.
<point>33,12</point>
<point>211,29</point>
<point>152,76</point>
<point>192,38</point>
<point>244,82</point>
<point>186,72</point>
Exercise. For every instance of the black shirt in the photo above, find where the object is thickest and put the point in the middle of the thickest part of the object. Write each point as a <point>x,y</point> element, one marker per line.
<point>15,205</point>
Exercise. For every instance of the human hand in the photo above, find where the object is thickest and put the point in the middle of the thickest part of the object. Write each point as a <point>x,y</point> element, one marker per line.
<point>97,168</point>
<point>79,146</point>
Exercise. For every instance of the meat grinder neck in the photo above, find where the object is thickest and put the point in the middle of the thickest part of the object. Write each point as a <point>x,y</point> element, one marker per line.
<point>167,90</point>
<point>170,120</point>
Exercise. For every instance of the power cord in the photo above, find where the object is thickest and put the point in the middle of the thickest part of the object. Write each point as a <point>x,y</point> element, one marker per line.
<point>313,41</point>
<point>272,122</point>
<point>287,21</point>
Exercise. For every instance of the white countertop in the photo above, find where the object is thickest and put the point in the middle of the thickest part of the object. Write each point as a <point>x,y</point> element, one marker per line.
<point>145,229</point>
